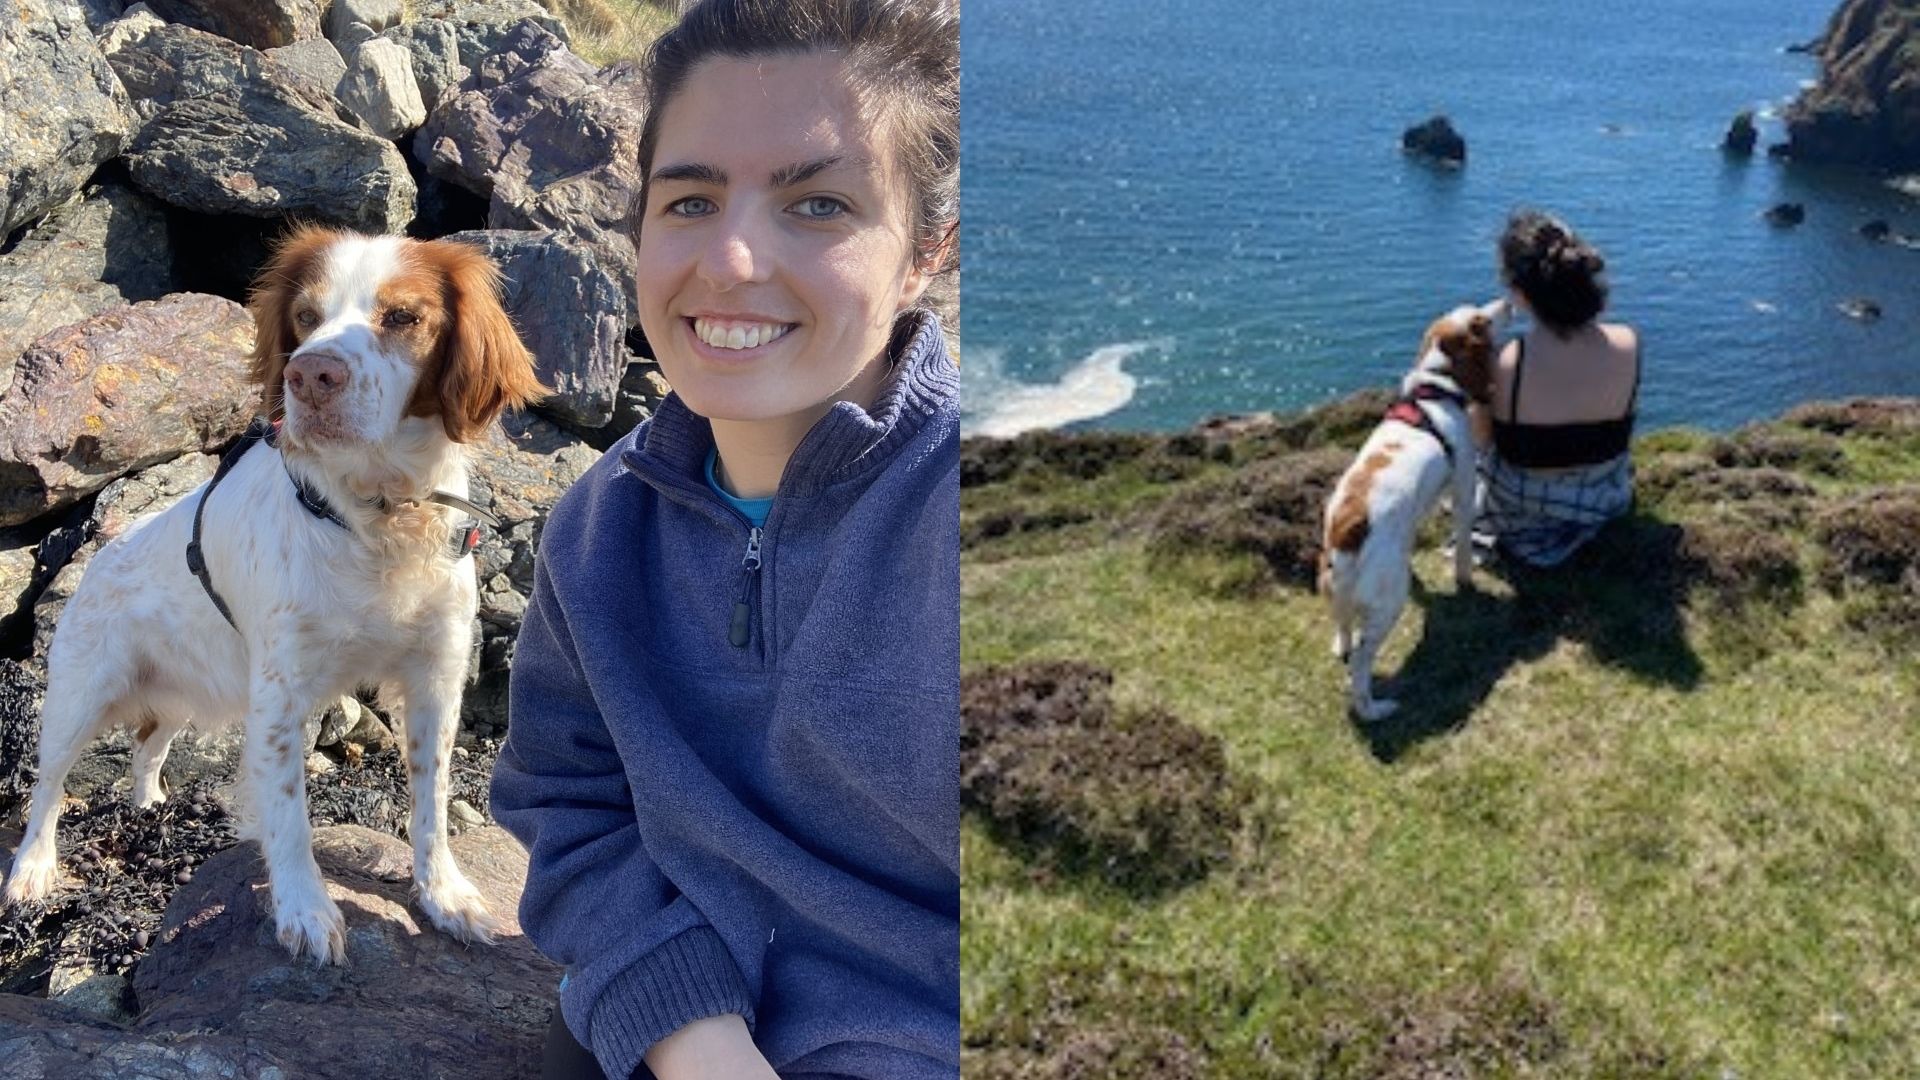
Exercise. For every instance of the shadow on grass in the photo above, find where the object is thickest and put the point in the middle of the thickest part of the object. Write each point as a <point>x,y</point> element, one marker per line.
<point>1621,596</point>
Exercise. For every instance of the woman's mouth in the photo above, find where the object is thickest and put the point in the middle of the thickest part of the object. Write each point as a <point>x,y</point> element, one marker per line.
<point>736,334</point>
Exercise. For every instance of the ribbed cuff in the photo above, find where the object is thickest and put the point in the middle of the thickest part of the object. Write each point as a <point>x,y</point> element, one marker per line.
<point>690,977</point>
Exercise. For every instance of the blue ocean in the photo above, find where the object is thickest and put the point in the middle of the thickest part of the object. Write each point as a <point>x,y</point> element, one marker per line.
<point>1171,212</point>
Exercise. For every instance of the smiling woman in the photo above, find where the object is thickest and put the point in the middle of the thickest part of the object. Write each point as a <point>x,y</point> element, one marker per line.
<point>735,742</point>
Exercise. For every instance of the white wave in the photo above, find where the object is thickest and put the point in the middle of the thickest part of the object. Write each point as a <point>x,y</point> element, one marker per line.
<point>1000,406</point>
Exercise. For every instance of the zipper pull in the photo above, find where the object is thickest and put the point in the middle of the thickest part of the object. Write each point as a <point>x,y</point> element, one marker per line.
<point>740,631</point>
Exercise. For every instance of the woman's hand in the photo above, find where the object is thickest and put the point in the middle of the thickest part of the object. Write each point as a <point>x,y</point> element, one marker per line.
<point>718,1047</point>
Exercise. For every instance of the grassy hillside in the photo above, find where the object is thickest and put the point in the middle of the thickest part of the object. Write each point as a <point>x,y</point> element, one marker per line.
<point>1652,814</point>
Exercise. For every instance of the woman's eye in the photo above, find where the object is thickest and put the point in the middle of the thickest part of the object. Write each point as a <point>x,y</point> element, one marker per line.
<point>820,207</point>
<point>691,206</point>
<point>401,318</point>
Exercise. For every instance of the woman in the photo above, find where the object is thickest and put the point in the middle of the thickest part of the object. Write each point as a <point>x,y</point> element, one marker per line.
<point>1563,400</point>
<point>733,753</point>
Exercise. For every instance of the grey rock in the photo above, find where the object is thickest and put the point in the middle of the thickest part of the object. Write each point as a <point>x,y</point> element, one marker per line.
<point>353,35</point>
<point>551,141</point>
<point>638,396</point>
<point>162,64</point>
<point>435,49</point>
<point>106,249</point>
<point>62,112</point>
<point>376,15</point>
<point>101,13</point>
<point>568,309</point>
<point>135,22</point>
<point>98,994</point>
<point>370,732</point>
<point>481,25</point>
<point>1436,140</point>
<point>331,724</point>
<point>379,88</point>
<point>257,150</point>
<point>119,505</point>
<point>47,1039</point>
<point>19,581</point>
<point>125,389</point>
<point>315,65</point>
<point>411,1002</point>
<point>262,24</point>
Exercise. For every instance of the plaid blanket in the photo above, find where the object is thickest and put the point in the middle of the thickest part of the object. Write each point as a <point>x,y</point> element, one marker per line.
<point>1540,518</point>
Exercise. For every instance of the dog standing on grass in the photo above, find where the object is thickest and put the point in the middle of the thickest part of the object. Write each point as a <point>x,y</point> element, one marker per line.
<point>1423,449</point>
<point>329,551</point>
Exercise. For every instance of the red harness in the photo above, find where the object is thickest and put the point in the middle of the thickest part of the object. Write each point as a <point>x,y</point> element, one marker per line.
<point>1406,409</point>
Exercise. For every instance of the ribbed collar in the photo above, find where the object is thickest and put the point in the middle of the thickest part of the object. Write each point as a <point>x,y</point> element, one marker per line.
<point>846,442</point>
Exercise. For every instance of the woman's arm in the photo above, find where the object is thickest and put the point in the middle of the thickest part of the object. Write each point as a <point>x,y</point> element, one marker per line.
<point>716,1048</point>
<point>642,962</point>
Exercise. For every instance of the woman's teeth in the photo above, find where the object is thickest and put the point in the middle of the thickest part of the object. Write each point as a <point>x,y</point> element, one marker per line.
<point>737,335</point>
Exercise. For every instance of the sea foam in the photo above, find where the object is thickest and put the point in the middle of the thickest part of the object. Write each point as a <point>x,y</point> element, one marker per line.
<point>1000,406</point>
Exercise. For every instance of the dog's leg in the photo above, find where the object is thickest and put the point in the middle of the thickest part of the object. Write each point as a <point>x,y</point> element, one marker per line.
<point>76,711</point>
<point>1375,624</point>
<point>431,709</point>
<point>306,920</point>
<point>151,741</point>
<point>1465,478</point>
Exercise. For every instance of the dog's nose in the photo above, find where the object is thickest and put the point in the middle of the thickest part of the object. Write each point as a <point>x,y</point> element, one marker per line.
<point>316,378</point>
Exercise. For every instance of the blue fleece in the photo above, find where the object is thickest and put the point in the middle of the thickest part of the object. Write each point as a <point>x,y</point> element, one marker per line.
<point>770,829</point>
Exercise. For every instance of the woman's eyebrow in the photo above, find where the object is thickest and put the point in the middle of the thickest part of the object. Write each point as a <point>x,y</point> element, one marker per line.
<point>790,175</point>
<point>694,171</point>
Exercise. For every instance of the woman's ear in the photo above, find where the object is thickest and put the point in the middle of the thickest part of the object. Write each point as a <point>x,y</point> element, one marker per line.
<point>927,265</point>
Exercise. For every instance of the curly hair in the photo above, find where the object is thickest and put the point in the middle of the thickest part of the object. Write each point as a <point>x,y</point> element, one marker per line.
<point>903,58</point>
<point>1558,273</point>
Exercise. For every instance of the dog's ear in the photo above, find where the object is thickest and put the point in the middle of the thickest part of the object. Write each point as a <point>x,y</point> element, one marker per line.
<point>271,303</point>
<point>480,366</point>
<point>1471,354</point>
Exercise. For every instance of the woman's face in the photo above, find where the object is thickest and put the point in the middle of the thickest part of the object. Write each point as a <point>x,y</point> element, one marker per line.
<point>775,249</point>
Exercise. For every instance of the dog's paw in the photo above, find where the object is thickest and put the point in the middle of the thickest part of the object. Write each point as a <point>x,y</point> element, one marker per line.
<point>312,930</point>
<point>31,880</point>
<point>455,906</point>
<point>1375,709</point>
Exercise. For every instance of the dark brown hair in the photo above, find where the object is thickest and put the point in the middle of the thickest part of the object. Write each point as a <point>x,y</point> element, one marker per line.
<point>1557,272</point>
<point>903,57</point>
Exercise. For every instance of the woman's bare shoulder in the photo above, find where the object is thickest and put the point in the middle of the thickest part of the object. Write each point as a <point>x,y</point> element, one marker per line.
<point>1621,336</point>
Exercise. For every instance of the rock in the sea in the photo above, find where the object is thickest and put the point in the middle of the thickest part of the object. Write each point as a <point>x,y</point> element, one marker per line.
<point>411,1002</point>
<point>551,141</point>
<point>258,149</point>
<point>1860,308</point>
<point>128,388</point>
<point>1435,139</point>
<point>380,89</point>
<point>107,249</point>
<point>62,112</point>
<point>1876,230</point>
<point>263,24</point>
<point>1786,213</point>
<point>1741,134</point>
<point>1865,107</point>
<point>569,311</point>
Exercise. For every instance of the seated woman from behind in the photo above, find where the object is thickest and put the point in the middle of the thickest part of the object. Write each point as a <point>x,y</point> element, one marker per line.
<point>1563,400</point>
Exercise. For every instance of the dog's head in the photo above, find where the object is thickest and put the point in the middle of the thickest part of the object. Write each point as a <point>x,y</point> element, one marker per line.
<point>355,334</point>
<point>1460,343</point>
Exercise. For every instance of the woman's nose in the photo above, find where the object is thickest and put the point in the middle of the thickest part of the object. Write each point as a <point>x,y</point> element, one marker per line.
<point>734,255</point>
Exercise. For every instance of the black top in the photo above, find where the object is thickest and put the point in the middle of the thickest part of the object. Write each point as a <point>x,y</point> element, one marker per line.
<point>1562,446</point>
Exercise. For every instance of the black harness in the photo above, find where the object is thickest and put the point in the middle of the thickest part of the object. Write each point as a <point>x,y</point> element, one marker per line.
<point>465,538</point>
<point>1406,409</point>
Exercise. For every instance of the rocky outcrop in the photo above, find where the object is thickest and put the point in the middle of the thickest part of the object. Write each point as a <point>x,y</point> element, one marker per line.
<point>218,997</point>
<point>1435,140</point>
<point>104,250</point>
<point>1741,135</point>
<point>513,134</point>
<point>569,311</point>
<point>61,110</point>
<point>128,388</point>
<point>1865,108</point>
<point>263,24</point>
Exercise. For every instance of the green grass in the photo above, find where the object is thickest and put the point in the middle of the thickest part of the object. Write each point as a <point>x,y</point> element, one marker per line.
<point>1635,820</point>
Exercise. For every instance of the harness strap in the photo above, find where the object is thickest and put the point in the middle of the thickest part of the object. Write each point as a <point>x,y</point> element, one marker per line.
<point>261,430</point>
<point>1407,410</point>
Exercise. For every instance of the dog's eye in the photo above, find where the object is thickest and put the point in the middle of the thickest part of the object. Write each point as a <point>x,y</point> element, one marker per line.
<point>306,320</point>
<point>400,318</point>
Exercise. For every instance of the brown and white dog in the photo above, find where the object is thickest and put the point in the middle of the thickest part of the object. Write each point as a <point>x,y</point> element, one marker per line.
<point>385,355</point>
<point>1422,449</point>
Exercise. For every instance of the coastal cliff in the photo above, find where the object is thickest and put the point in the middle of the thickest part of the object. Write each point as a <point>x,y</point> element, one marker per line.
<point>1865,110</point>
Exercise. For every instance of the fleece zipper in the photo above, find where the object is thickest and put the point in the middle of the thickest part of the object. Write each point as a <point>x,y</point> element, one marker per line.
<point>740,629</point>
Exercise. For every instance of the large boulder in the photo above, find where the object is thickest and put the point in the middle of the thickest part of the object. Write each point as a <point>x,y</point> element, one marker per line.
<point>434,47</point>
<point>125,389</point>
<point>1435,140</point>
<point>62,112</point>
<point>570,312</point>
<point>380,89</point>
<point>263,24</point>
<point>1865,107</point>
<point>106,249</point>
<point>410,1002</point>
<point>550,140</point>
<point>482,25</point>
<point>375,15</point>
<point>160,63</point>
<point>519,472</point>
<point>257,149</point>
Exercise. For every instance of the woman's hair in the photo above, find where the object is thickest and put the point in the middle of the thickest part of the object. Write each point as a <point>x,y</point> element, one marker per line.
<point>903,58</point>
<point>1557,272</point>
